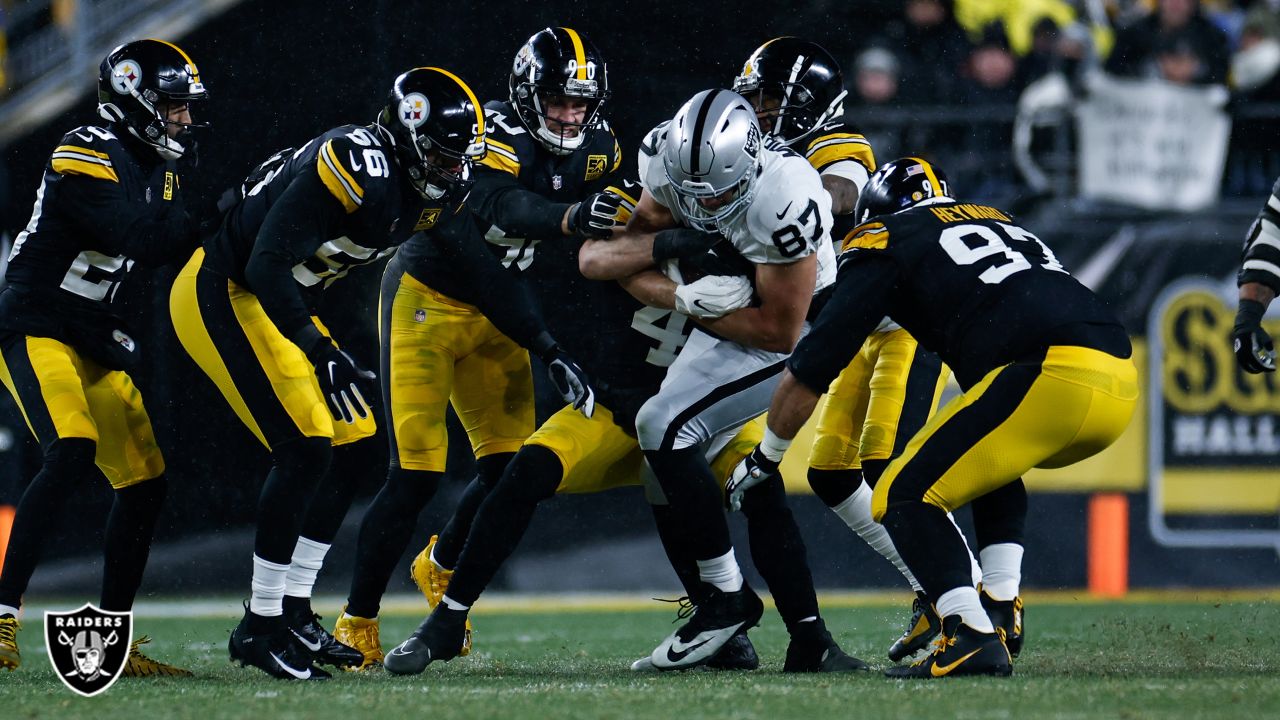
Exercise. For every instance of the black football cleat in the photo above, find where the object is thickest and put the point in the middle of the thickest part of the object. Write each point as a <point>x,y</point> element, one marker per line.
<point>923,627</point>
<point>439,637</point>
<point>277,653</point>
<point>959,650</point>
<point>721,616</point>
<point>1006,614</point>
<point>737,655</point>
<point>812,649</point>
<point>324,648</point>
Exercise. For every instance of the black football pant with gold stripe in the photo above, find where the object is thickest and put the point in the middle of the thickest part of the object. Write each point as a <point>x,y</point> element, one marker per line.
<point>1047,411</point>
<point>90,423</point>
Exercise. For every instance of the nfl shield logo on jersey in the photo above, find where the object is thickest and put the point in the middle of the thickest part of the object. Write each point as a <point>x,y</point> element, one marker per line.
<point>556,182</point>
<point>88,647</point>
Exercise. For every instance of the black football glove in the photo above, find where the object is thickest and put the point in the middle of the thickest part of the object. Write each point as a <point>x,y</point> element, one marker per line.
<point>753,470</point>
<point>595,217</point>
<point>344,384</point>
<point>1253,347</point>
<point>682,243</point>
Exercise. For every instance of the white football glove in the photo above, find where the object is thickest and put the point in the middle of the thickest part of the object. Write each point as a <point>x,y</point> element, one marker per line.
<point>713,296</point>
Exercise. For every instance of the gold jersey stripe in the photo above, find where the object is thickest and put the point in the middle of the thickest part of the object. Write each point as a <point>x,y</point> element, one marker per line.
<point>82,151</point>
<point>871,236</point>
<point>499,160</point>
<point>500,145</point>
<point>828,155</point>
<point>69,166</point>
<point>338,180</point>
<point>617,156</point>
<point>579,54</point>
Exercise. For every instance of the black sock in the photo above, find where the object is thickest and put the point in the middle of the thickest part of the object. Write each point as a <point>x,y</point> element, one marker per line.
<point>696,501</point>
<point>68,464</point>
<point>127,544</point>
<point>1000,516</point>
<point>872,470</point>
<point>384,534</point>
<point>778,551</point>
<point>296,606</point>
<point>332,498</point>
<point>682,562</point>
<point>502,519</point>
<point>297,466</point>
<point>834,486</point>
<point>449,543</point>
<point>930,545</point>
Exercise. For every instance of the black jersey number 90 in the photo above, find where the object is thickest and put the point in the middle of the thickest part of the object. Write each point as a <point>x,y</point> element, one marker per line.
<point>790,240</point>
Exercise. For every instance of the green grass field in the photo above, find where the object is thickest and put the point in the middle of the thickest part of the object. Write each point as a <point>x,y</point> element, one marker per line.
<point>1205,657</point>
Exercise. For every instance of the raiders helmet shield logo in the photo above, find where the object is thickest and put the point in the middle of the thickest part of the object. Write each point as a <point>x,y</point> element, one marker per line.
<point>595,166</point>
<point>88,647</point>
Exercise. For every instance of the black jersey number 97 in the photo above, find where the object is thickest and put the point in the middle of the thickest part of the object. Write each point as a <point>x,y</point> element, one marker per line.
<point>790,240</point>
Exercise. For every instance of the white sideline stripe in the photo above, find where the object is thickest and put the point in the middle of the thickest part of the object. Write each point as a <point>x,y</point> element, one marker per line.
<point>512,603</point>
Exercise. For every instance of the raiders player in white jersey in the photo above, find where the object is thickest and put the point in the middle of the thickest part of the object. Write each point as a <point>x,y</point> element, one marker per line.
<point>708,176</point>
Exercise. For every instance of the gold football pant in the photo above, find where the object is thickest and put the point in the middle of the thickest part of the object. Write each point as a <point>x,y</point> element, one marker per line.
<point>1049,412</point>
<point>266,379</point>
<point>437,351</point>
<point>877,403</point>
<point>64,395</point>
<point>597,455</point>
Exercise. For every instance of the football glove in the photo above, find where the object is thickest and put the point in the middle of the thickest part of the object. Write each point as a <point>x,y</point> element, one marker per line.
<point>1253,347</point>
<point>751,471</point>
<point>596,216</point>
<point>345,385</point>
<point>682,242</point>
<point>570,381</point>
<point>713,296</point>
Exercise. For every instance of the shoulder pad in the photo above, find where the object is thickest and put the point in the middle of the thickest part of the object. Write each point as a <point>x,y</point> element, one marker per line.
<point>352,165</point>
<point>87,151</point>
<point>836,142</point>
<point>605,142</point>
<point>790,213</point>
<point>509,144</point>
<point>655,140</point>
<point>872,235</point>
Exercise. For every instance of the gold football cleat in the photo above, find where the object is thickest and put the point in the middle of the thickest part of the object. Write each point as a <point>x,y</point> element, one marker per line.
<point>10,658</point>
<point>433,581</point>
<point>139,665</point>
<point>361,634</point>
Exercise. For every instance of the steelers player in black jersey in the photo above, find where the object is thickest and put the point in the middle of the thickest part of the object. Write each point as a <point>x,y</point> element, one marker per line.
<point>111,196</point>
<point>550,157</point>
<point>1044,367</point>
<point>892,385</point>
<point>243,308</point>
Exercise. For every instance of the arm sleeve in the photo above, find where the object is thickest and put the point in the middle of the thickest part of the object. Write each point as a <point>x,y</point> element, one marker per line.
<point>505,299</point>
<point>299,222</point>
<point>1261,262</point>
<point>500,199</point>
<point>153,234</point>
<point>856,306</point>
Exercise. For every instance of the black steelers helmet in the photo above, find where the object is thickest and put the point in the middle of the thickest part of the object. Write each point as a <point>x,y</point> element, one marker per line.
<point>898,185</point>
<point>558,61</point>
<point>138,81</point>
<point>437,126</point>
<point>805,80</point>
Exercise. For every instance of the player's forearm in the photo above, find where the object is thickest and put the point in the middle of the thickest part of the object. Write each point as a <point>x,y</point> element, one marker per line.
<point>844,194</point>
<point>1258,292</point>
<point>626,254</point>
<point>760,328</point>
<point>793,402</point>
<point>521,212</point>
<point>270,277</point>
<point>651,288</point>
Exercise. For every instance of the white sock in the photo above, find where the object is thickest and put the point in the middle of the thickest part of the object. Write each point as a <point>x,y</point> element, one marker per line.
<point>1002,570</point>
<point>856,513</point>
<point>433,559</point>
<point>268,588</point>
<point>348,616</point>
<point>454,604</point>
<point>975,570</point>
<point>963,601</point>
<point>308,558</point>
<point>722,572</point>
<point>8,610</point>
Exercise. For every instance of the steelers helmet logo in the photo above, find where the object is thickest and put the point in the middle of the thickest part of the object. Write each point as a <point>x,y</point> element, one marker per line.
<point>524,59</point>
<point>126,76</point>
<point>414,110</point>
